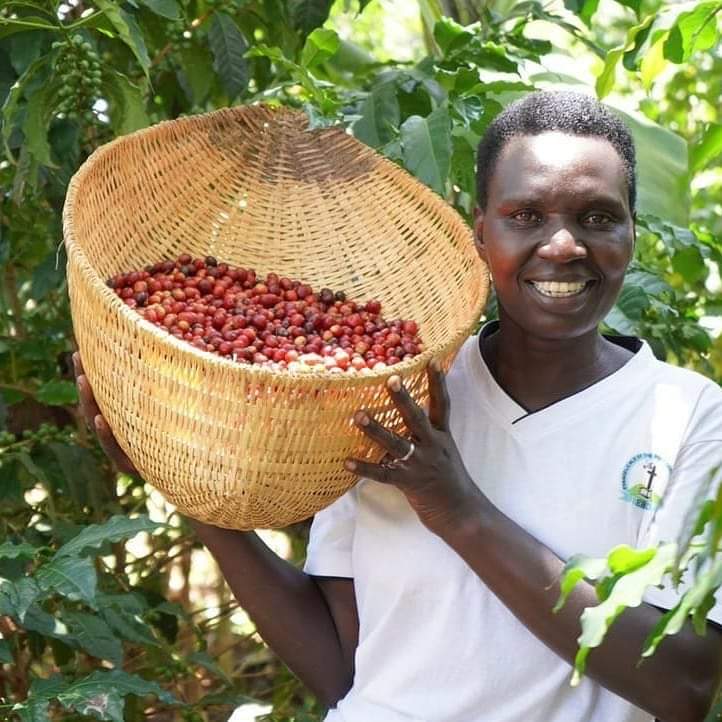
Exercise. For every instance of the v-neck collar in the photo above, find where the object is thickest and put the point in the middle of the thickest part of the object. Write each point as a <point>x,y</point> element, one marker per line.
<point>518,421</point>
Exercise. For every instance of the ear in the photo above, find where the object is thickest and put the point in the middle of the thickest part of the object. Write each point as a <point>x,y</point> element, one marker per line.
<point>479,233</point>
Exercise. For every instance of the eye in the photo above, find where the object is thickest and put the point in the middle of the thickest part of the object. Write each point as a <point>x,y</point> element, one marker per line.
<point>526,216</point>
<point>599,219</point>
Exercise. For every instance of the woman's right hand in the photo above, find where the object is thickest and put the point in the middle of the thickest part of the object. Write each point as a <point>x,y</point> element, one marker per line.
<point>95,420</point>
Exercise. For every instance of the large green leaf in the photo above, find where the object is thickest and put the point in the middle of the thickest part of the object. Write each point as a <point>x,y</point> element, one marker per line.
<point>10,106</point>
<point>92,633</point>
<point>426,144</point>
<point>117,528</point>
<point>450,35</point>
<point>321,45</point>
<point>166,8</point>
<point>127,104</point>
<point>128,31</point>
<point>228,47</point>
<point>695,30</point>
<point>123,614</point>
<point>585,9</point>
<point>708,148</point>
<point>380,116</point>
<point>69,576</point>
<point>663,172</point>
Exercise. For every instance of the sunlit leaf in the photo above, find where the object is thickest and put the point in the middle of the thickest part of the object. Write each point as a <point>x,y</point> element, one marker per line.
<point>114,530</point>
<point>380,116</point>
<point>58,393</point>
<point>450,35</point>
<point>71,577</point>
<point>579,567</point>
<point>695,30</point>
<point>707,149</point>
<point>321,45</point>
<point>426,144</point>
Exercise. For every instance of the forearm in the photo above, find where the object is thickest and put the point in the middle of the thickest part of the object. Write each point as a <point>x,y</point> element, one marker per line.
<point>676,684</point>
<point>286,606</point>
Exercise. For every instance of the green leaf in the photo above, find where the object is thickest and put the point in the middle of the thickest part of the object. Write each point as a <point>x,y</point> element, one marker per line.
<point>380,117</point>
<point>627,592</point>
<point>426,144</point>
<point>104,690</point>
<point>92,634</point>
<point>696,597</point>
<point>49,274</point>
<point>688,262</point>
<point>632,302</point>
<point>624,559</point>
<point>17,597</point>
<point>449,35</point>
<point>653,63</point>
<point>166,8</point>
<point>307,15</point>
<point>663,174</point>
<point>128,31</point>
<point>605,80</point>
<point>10,106</point>
<point>123,614</point>
<point>6,655</point>
<point>127,104</point>
<point>577,568</point>
<point>204,660</point>
<point>26,48</point>
<point>42,691</point>
<point>69,576</point>
<point>11,490</point>
<point>708,147</point>
<point>694,31</point>
<point>58,393</point>
<point>10,550</point>
<point>228,47</point>
<point>198,72</point>
<point>632,4</point>
<point>321,45</point>
<point>114,530</point>
<point>585,9</point>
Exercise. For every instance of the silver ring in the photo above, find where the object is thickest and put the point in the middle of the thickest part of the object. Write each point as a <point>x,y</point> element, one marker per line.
<point>407,455</point>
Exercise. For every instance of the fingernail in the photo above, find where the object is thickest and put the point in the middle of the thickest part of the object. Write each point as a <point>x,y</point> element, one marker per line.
<point>361,418</point>
<point>350,465</point>
<point>395,383</point>
<point>99,422</point>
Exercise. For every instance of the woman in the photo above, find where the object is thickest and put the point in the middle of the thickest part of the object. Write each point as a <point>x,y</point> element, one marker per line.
<point>428,588</point>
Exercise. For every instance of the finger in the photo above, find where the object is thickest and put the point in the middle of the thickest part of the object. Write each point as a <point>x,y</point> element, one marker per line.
<point>439,405</point>
<point>77,364</point>
<point>376,472</point>
<point>110,446</point>
<point>396,445</point>
<point>88,406</point>
<point>413,415</point>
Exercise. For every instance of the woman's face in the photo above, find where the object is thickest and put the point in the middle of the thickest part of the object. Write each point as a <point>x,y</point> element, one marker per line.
<point>557,232</point>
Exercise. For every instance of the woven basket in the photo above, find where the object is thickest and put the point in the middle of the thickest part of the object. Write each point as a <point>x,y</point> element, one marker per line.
<point>235,445</point>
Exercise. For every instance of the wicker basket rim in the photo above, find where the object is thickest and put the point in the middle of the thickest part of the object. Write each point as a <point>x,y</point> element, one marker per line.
<point>73,247</point>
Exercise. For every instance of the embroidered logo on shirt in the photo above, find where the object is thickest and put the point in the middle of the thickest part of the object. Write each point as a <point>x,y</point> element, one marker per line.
<point>644,479</point>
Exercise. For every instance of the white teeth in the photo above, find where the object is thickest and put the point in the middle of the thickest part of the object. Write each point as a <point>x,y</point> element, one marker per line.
<point>558,289</point>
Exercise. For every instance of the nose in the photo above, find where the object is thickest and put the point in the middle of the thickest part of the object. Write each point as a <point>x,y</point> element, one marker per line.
<point>562,246</point>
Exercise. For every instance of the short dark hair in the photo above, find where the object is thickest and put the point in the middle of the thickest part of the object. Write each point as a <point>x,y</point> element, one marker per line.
<point>543,111</point>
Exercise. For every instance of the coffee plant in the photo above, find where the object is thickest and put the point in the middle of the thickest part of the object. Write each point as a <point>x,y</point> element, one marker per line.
<point>102,612</point>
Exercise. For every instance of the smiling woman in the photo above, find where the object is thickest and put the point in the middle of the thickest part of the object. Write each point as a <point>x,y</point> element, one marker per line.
<point>428,588</point>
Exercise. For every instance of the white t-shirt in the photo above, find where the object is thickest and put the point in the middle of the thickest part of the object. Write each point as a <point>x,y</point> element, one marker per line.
<point>435,644</point>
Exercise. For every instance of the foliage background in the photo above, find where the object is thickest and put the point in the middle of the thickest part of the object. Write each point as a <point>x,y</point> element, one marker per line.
<point>108,607</point>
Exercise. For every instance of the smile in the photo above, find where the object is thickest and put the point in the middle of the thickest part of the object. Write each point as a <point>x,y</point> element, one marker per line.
<point>560,289</point>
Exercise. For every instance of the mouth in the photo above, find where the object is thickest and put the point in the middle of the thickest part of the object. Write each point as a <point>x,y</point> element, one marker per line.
<point>561,289</point>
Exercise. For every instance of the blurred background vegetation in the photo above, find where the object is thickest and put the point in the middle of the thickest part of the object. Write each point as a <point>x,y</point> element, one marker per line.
<point>109,609</point>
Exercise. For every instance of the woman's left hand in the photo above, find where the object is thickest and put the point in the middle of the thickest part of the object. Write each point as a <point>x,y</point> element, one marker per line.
<point>433,477</point>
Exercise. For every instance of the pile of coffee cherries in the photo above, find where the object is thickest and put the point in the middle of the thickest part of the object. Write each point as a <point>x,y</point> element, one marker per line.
<point>274,322</point>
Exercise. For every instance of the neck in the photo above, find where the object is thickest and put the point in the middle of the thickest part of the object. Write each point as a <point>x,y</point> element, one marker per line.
<point>538,371</point>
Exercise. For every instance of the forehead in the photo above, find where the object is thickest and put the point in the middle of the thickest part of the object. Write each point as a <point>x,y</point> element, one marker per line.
<point>558,163</point>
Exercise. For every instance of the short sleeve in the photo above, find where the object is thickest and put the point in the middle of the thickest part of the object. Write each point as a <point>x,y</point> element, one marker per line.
<point>691,482</point>
<point>331,539</point>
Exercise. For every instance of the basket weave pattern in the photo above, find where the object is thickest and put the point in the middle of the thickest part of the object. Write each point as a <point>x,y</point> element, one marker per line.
<point>235,445</point>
